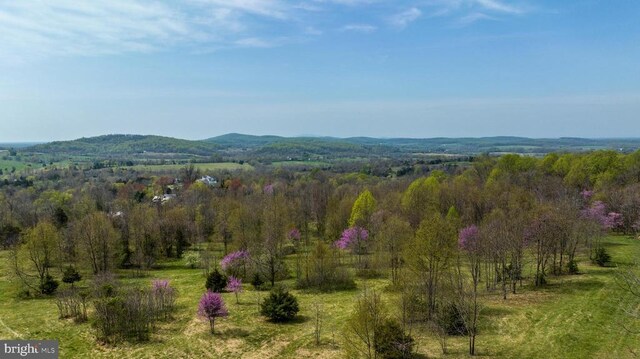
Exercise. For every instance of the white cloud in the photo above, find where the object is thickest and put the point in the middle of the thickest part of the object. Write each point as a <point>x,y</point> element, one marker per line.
<point>498,6</point>
<point>363,28</point>
<point>473,18</point>
<point>404,18</point>
<point>269,8</point>
<point>467,12</point>
<point>255,42</point>
<point>34,29</point>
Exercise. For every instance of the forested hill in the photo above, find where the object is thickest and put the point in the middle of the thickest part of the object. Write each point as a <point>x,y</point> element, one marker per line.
<point>467,145</point>
<point>127,144</point>
<point>242,146</point>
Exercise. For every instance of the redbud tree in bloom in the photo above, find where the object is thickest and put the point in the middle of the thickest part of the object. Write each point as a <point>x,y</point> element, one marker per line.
<point>212,306</point>
<point>294,235</point>
<point>234,263</point>
<point>234,285</point>
<point>598,213</point>
<point>353,238</point>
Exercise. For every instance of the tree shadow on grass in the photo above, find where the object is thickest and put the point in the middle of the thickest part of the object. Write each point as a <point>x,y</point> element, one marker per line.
<point>494,311</point>
<point>232,333</point>
<point>299,319</point>
<point>574,286</point>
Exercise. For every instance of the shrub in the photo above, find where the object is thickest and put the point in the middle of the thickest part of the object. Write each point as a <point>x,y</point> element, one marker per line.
<point>234,285</point>
<point>234,263</point>
<point>192,259</point>
<point>49,285</point>
<point>72,304</point>
<point>323,271</point>
<point>390,341</point>
<point>450,319</point>
<point>71,276</point>
<point>572,267</point>
<point>68,304</point>
<point>216,282</point>
<point>257,280</point>
<point>104,285</point>
<point>129,315</point>
<point>280,305</point>
<point>601,257</point>
<point>108,311</point>
<point>163,296</point>
<point>541,279</point>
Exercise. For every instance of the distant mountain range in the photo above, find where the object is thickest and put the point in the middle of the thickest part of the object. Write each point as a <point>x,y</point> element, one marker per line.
<point>274,146</point>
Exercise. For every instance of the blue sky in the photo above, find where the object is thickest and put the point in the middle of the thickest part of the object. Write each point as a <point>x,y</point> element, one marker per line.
<point>199,68</point>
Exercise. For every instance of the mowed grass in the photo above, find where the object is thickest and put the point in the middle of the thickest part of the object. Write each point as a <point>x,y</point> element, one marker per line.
<point>7,165</point>
<point>573,317</point>
<point>214,166</point>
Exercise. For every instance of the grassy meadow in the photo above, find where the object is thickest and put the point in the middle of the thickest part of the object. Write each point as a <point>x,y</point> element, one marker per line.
<point>213,166</point>
<point>573,317</point>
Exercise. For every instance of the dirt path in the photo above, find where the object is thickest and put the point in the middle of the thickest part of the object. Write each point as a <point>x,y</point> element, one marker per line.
<point>15,334</point>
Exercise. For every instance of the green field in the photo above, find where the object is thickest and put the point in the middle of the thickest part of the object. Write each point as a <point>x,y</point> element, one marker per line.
<point>573,317</point>
<point>300,164</point>
<point>7,165</point>
<point>216,166</point>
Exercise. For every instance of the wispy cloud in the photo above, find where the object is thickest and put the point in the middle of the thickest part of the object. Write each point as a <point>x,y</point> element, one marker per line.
<point>467,12</point>
<point>255,42</point>
<point>473,18</point>
<point>98,27</point>
<point>34,29</point>
<point>498,6</point>
<point>269,8</point>
<point>363,28</point>
<point>404,18</point>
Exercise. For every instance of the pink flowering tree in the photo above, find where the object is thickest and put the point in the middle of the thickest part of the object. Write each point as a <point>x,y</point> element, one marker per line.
<point>613,220</point>
<point>212,306</point>
<point>355,239</point>
<point>234,285</point>
<point>294,235</point>
<point>235,263</point>
<point>597,212</point>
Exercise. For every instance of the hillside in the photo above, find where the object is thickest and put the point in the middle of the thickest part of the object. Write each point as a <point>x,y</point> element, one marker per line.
<point>467,145</point>
<point>266,149</point>
<point>126,144</point>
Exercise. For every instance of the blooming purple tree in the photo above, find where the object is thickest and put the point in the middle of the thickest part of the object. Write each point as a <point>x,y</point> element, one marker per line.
<point>234,263</point>
<point>234,285</point>
<point>356,240</point>
<point>613,220</point>
<point>294,235</point>
<point>598,213</point>
<point>211,307</point>
<point>468,239</point>
<point>353,238</point>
